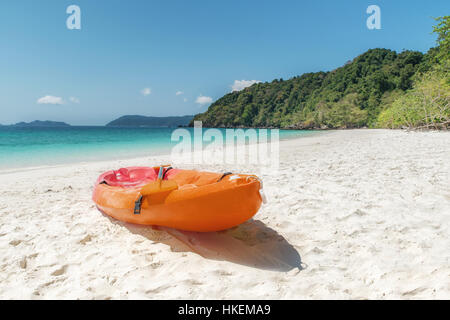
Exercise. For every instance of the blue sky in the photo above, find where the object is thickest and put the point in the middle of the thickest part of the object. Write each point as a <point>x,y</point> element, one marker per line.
<point>132,57</point>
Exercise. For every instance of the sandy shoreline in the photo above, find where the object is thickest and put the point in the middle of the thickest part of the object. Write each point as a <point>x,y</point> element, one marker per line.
<point>351,214</point>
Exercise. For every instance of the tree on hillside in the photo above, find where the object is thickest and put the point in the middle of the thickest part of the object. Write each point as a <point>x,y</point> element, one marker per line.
<point>442,29</point>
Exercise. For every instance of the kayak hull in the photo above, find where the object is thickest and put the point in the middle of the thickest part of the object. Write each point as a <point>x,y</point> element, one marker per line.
<point>202,203</point>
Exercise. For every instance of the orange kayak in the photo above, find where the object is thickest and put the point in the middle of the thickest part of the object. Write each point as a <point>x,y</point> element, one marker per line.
<point>196,201</point>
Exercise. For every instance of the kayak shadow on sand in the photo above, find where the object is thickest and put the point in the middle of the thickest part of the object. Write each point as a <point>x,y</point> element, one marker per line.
<point>251,244</point>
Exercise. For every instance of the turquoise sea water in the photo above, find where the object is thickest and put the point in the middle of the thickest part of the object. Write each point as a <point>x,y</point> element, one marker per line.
<point>30,147</point>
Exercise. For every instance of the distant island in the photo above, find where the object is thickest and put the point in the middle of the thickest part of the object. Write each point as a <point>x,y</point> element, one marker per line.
<point>38,123</point>
<point>155,122</point>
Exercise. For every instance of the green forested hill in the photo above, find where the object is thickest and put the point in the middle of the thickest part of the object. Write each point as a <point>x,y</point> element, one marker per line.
<point>351,96</point>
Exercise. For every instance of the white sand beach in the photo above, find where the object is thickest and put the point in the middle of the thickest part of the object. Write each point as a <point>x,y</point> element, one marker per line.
<point>356,214</point>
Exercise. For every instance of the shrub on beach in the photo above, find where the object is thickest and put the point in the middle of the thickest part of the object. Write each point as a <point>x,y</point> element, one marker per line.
<point>427,104</point>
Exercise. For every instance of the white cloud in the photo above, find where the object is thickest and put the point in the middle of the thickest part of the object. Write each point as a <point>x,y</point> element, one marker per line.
<point>50,100</point>
<point>179,93</point>
<point>185,99</point>
<point>74,100</point>
<point>146,91</point>
<point>203,100</point>
<point>239,85</point>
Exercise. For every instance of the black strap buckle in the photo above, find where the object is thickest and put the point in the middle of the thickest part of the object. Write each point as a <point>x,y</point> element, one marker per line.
<point>137,205</point>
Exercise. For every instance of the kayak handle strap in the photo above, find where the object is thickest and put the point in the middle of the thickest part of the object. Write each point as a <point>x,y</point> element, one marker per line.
<point>161,186</point>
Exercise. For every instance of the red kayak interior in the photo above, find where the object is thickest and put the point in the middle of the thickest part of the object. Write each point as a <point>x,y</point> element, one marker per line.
<point>134,176</point>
